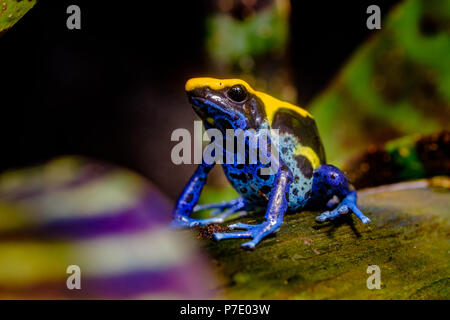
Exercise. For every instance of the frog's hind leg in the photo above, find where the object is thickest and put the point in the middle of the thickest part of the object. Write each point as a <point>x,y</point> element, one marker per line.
<point>329,181</point>
<point>223,210</point>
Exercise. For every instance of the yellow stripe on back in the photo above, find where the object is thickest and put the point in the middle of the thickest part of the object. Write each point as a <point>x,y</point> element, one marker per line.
<point>309,154</point>
<point>271,104</point>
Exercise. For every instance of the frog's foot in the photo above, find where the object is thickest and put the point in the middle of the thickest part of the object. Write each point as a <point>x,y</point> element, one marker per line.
<point>256,232</point>
<point>222,211</point>
<point>346,205</point>
<point>186,222</point>
<point>220,207</point>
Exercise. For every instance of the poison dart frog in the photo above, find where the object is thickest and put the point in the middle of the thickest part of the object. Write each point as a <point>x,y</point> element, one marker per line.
<point>301,181</point>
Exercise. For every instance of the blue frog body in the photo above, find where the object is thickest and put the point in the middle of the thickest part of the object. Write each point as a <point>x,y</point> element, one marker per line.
<point>301,178</point>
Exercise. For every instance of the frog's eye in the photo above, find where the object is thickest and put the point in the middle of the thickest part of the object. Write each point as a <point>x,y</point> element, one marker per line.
<point>237,93</point>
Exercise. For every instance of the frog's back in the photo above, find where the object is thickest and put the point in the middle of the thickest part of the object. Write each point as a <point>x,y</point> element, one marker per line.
<point>303,129</point>
<point>292,120</point>
<point>300,147</point>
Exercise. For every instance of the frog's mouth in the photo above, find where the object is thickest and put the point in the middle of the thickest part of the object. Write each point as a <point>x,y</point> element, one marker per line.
<point>206,109</point>
<point>207,106</point>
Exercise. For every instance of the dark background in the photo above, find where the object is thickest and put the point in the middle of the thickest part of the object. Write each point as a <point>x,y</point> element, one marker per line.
<point>114,89</point>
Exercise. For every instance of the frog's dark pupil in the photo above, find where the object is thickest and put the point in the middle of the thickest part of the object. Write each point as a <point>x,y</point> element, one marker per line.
<point>237,93</point>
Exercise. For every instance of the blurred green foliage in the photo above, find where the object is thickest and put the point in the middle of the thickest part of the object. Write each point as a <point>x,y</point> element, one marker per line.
<point>398,83</point>
<point>12,11</point>
<point>394,88</point>
<point>403,152</point>
<point>234,42</point>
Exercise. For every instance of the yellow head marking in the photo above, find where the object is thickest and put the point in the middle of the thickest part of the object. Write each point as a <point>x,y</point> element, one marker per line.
<point>215,84</point>
<point>271,104</point>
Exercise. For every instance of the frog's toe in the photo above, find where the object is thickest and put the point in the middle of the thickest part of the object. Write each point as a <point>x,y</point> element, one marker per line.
<point>205,222</point>
<point>354,208</point>
<point>192,223</point>
<point>236,214</point>
<point>327,215</point>
<point>342,210</point>
<point>365,220</point>
<point>231,235</point>
<point>208,206</point>
<point>333,214</point>
<point>244,226</point>
<point>256,232</point>
<point>223,210</point>
<point>186,222</point>
<point>250,245</point>
<point>183,223</point>
<point>220,206</point>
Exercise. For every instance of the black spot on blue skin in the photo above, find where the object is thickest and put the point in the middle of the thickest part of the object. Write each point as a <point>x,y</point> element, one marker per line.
<point>295,191</point>
<point>242,177</point>
<point>265,189</point>
<point>240,166</point>
<point>284,150</point>
<point>244,190</point>
<point>189,197</point>
<point>289,179</point>
<point>296,178</point>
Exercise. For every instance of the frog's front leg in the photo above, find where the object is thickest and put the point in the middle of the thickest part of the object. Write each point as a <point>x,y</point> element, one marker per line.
<point>277,206</point>
<point>224,209</point>
<point>186,203</point>
<point>329,181</point>
<point>189,198</point>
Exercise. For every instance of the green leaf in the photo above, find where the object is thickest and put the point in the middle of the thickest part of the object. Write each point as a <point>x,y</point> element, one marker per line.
<point>12,11</point>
